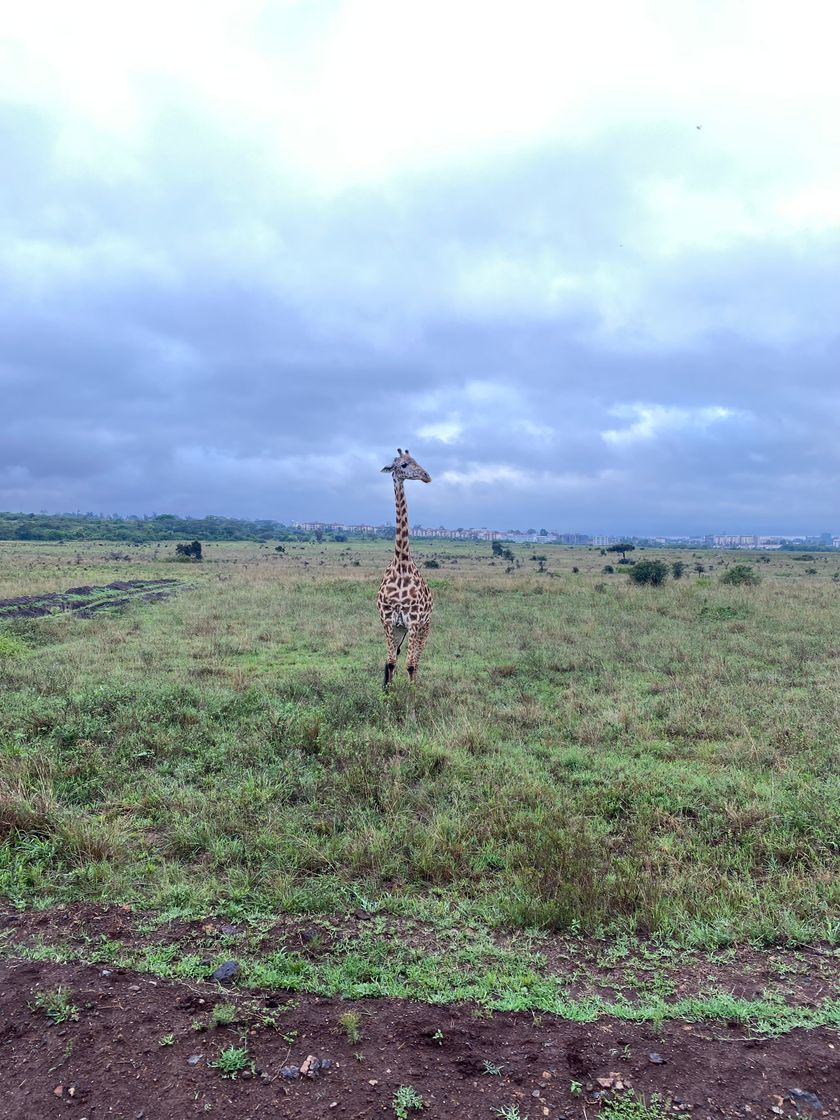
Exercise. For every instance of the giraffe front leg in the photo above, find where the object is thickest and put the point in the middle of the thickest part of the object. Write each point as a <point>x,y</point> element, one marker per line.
<point>391,659</point>
<point>416,641</point>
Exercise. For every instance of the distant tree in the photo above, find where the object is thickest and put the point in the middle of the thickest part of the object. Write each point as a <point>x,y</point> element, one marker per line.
<point>741,575</point>
<point>653,572</point>
<point>190,551</point>
<point>623,547</point>
<point>677,569</point>
<point>608,569</point>
<point>279,548</point>
<point>699,568</point>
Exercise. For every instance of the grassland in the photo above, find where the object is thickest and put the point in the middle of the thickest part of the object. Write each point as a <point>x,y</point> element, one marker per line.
<point>579,755</point>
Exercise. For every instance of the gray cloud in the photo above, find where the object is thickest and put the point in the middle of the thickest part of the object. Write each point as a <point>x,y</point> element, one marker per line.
<point>193,329</point>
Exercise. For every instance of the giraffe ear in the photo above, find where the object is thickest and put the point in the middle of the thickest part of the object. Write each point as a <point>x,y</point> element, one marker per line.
<point>384,469</point>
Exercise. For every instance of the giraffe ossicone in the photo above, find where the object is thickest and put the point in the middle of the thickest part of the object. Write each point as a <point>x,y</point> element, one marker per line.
<point>404,600</point>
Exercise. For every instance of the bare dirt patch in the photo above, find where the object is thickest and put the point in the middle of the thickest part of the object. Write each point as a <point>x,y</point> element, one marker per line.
<point>133,1050</point>
<point>86,601</point>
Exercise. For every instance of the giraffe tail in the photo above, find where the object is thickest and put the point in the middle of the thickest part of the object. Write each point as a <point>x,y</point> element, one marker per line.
<point>399,637</point>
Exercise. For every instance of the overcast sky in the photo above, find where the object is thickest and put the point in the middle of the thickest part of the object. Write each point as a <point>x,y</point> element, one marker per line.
<point>583,259</point>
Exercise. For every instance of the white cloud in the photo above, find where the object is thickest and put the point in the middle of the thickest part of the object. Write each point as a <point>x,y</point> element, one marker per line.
<point>650,421</point>
<point>445,431</point>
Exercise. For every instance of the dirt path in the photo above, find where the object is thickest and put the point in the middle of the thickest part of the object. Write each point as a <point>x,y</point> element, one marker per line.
<point>87,600</point>
<point>126,1053</point>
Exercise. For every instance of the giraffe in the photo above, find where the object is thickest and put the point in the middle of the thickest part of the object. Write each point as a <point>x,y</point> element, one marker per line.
<point>404,600</point>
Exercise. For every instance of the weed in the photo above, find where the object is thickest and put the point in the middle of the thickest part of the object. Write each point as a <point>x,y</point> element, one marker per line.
<point>406,1099</point>
<point>56,1005</point>
<point>631,1105</point>
<point>231,1061</point>
<point>349,1023</point>
<point>167,1040</point>
<point>492,1069</point>
<point>510,1112</point>
<point>222,1015</point>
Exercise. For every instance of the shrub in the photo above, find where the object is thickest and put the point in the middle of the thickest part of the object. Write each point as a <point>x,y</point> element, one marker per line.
<point>741,575</point>
<point>190,551</point>
<point>677,569</point>
<point>608,569</point>
<point>653,572</point>
<point>432,563</point>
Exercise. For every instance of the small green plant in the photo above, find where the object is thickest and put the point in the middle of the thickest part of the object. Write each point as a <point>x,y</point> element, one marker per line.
<point>290,1037</point>
<point>492,1069</point>
<point>575,1088</point>
<point>741,575</point>
<point>166,1040</point>
<point>405,1100</point>
<point>222,1015</point>
<point>56,1005</point>
<point>231,1061</point>
<point>199,1025</point>
<point>510,1112</point>
<point>632,1106</point>
<point>438,1037</point>
<point>349,1023</point>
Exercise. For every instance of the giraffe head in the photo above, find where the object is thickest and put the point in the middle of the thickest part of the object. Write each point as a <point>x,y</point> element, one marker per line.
<point>405,468</point>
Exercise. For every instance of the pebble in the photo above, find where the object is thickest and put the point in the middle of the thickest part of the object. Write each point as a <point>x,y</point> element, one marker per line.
<point>803,1096</point>
<point>134,987</point>
<point>290,1073</point>
<point>656,1059</point>
<point>227,971</point>
<point>194,1059</point>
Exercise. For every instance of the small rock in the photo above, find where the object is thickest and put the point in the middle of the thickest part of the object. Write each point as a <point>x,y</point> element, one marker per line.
<point>58,1091</point>
<point>334,1104</point>
<point>228,929</point>
<point>134,987</point>
<point>194,1059</point>
<point>227,971</point>
<point>290,1073</point>
<point>546,1075</point>
<point>326,1063</point>
<point>535,1093</point>
<point>107,972</point>
<point>372,1081</point>
<point>777,1110</point>
<point>310,1067</point>
<point>803,1097</point>
<point>656,1059</point>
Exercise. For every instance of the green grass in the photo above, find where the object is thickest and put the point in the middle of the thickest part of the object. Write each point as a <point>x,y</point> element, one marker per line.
<point>628,760</point>
<point>56,1004</point>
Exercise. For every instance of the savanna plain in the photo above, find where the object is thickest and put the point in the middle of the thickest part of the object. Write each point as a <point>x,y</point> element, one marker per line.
<point>587,864</point>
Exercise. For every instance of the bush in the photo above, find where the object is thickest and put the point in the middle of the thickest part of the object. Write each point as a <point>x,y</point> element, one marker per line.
<point>653,572</point>
<point>608,569</point>
<point>432,563</point>
<point>188,551</point>
<point>741,575</point>
<point>677,569</point>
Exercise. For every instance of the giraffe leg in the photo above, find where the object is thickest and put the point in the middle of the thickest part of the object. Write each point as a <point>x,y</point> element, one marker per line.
<point>393,650</point>
<point>416,641</point>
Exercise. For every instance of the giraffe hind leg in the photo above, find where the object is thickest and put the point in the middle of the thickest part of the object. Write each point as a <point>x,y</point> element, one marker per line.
<point>393,639</point>
<point>415,647</point>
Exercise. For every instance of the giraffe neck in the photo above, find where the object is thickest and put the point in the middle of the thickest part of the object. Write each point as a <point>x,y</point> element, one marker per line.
<point>401,549</point>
